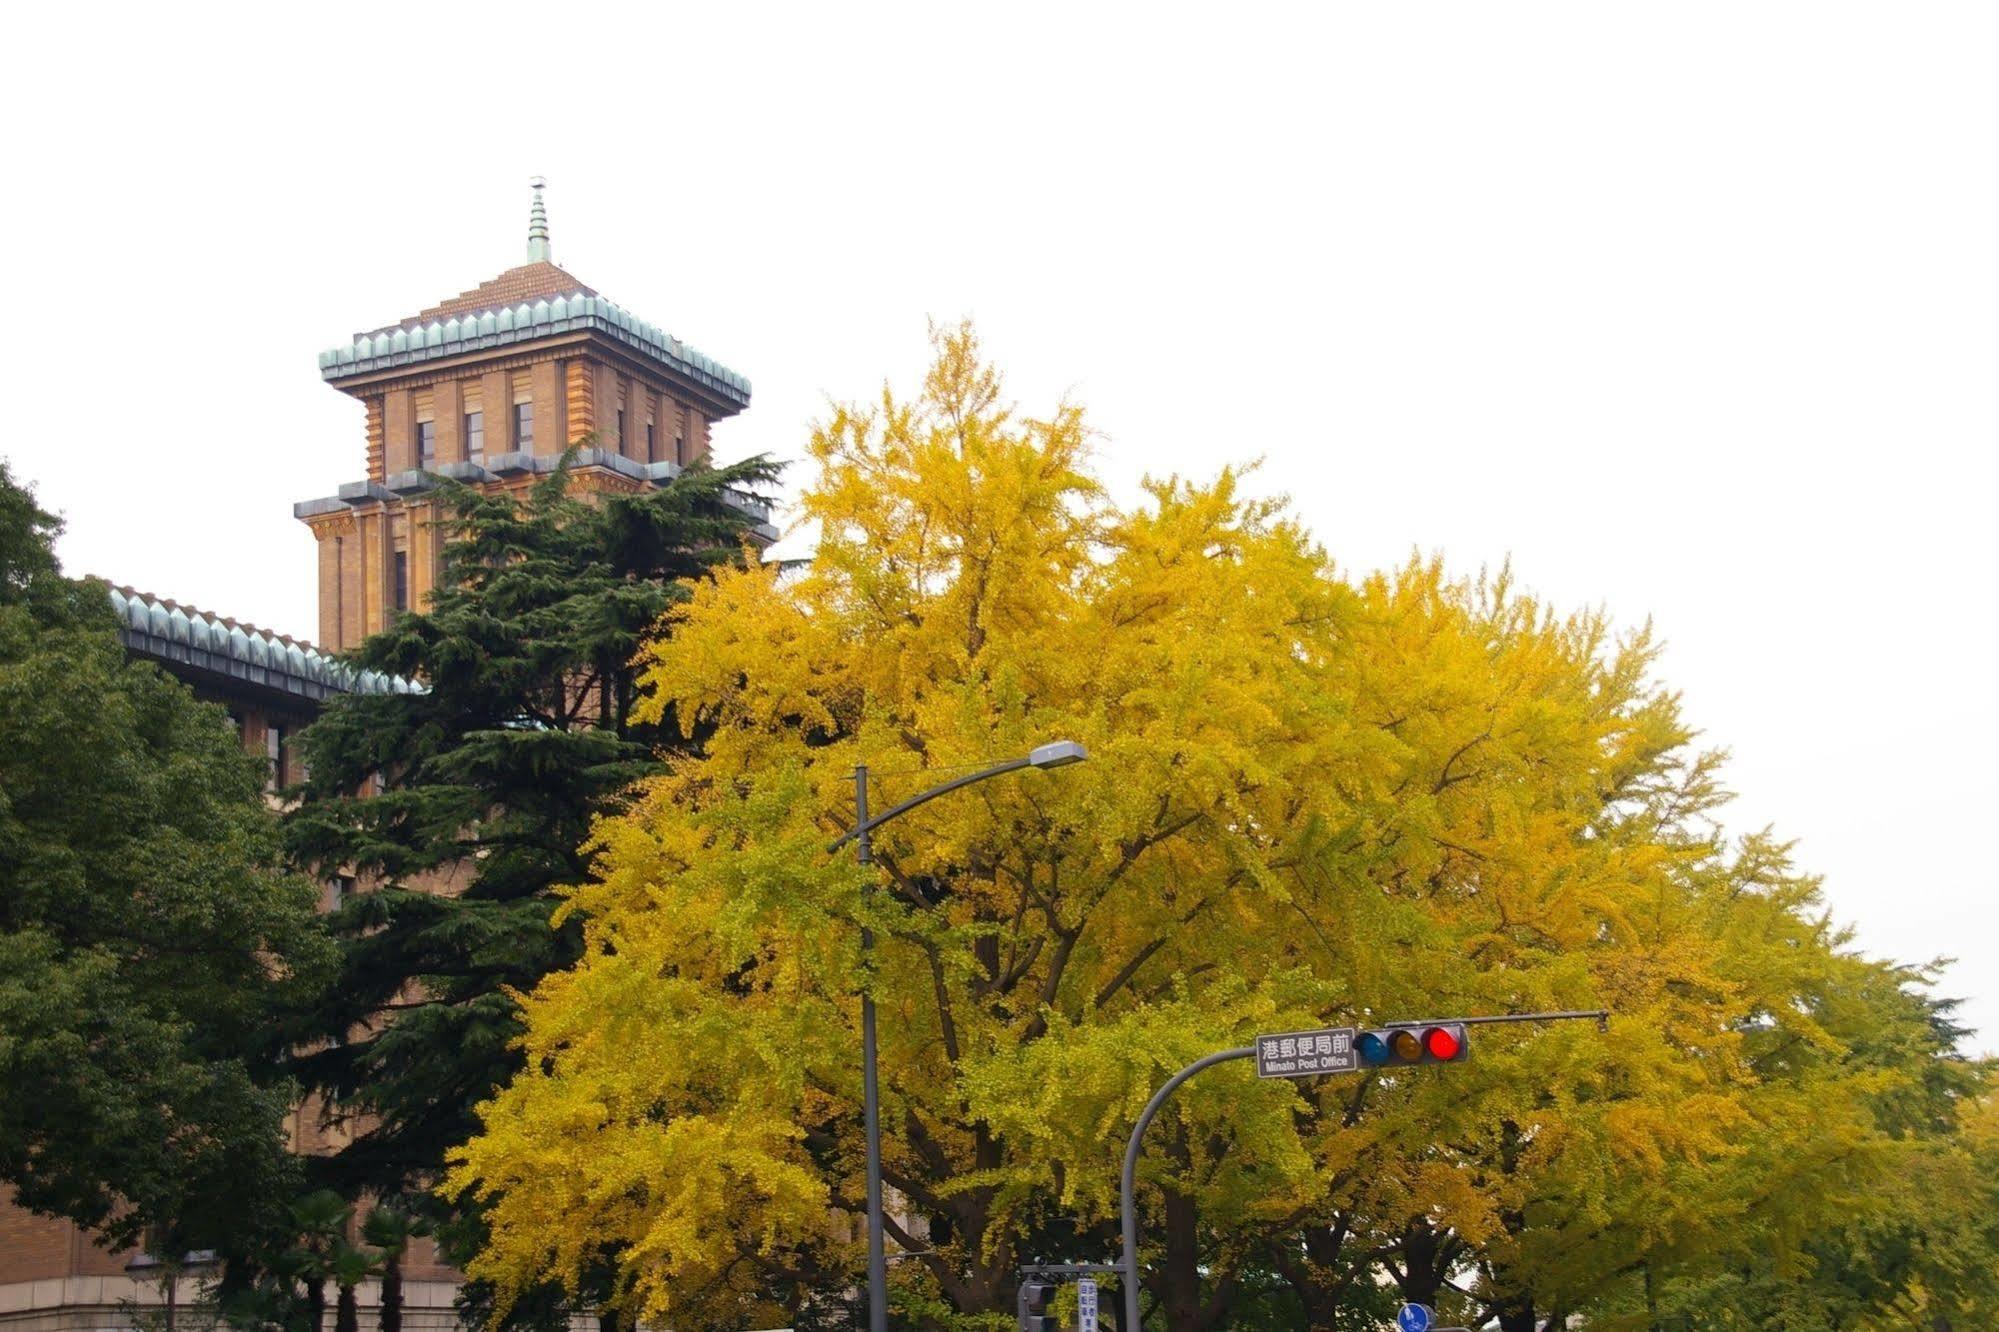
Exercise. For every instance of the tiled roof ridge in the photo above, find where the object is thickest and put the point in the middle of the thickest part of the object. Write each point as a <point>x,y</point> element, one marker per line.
<point>131,593</point>
<point>539,277</point>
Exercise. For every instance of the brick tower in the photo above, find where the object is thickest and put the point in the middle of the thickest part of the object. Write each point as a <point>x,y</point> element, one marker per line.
<point>491,387</point>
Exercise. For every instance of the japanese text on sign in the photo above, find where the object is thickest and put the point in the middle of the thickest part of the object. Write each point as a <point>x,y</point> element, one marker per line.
<point>1305,1054</point>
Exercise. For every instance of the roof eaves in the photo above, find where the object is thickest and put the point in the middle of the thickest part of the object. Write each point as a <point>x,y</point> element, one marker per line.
<point>505,325</point>
<point>166,630</point>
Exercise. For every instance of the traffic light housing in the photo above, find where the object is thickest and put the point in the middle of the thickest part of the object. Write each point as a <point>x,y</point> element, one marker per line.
<point>1037,1306</point>
<point>1396,1047</point>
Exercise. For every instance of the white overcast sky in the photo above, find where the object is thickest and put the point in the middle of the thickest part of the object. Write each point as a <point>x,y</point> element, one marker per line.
<point>1689,309</point>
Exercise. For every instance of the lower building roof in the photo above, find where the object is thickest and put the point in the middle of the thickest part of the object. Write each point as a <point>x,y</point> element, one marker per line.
<point>173,634</point>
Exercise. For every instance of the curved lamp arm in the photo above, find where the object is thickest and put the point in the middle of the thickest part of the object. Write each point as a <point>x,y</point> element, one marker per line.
<point>1055,754</point>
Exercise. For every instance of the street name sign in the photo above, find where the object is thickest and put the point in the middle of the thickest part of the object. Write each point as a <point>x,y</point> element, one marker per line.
<point>1086,1305</point>
<point>1306,1054</point>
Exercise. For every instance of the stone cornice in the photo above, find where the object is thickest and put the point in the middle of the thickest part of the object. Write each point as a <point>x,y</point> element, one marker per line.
<point>335,521</point>
<point>417,343</point>
<point>590,466</point>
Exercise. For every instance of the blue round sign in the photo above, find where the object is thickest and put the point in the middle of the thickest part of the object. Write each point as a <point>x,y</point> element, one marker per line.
<point>1414,1318</point>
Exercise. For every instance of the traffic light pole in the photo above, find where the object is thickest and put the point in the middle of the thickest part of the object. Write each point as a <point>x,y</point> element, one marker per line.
<point>1033,1274</point>
<point>1128,1193</point>
<point>1128,1190</point>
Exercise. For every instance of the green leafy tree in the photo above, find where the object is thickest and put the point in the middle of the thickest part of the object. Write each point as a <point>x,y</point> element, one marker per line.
<point>349,1266</point>
<point>1883,1218</point>
<point>390,1228</point>
<point>148,929</point>
<point>319,1223</point>
<point>463,808</point>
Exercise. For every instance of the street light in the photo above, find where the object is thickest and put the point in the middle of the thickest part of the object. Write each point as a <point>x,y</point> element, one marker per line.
<point>1054,754</point>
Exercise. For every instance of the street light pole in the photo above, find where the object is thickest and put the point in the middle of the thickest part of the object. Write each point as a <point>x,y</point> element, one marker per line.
<point>1055,754</point>
<point>870,1084</point>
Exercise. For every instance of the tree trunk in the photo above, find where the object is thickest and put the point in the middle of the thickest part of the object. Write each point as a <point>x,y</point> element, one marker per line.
<point>315,1303</point>
<point>1422,1276</point>
<point>346,1311</point>
<point>1516,1317</point>
<point>390,1317</point>
<point>1177,1285</point>
<point>1321,1292</point>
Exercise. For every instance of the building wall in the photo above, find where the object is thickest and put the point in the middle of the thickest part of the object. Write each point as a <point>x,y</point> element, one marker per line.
<point>31,1247</point>
<point>114,1302</point>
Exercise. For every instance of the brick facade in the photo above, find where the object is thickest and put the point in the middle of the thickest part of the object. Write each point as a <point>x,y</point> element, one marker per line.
<point>575,393</point>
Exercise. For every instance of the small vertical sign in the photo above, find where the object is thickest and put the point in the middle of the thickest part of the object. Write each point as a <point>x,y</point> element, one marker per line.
<point>1086,1305</point>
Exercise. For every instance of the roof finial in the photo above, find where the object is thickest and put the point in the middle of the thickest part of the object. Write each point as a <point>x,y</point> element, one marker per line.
<point>538,251</point>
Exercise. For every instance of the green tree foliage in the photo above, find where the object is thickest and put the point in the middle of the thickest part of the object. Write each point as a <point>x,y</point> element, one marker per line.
<point>462,807</point>
<point>147,928</point>
<point>390,1229</point>
<point>1888,1222</point>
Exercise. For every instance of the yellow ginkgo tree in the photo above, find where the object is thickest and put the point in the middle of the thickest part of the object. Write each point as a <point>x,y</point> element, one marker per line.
<point>1310,800</point>
<point>691,1094</point>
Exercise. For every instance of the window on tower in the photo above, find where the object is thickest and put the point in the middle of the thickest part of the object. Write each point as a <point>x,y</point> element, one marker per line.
<point>402,580</point>
<point>523,425</point>
<point>621,430</point>
<point>426,444</point>
<point>652,452</point>
<point>475,436</point>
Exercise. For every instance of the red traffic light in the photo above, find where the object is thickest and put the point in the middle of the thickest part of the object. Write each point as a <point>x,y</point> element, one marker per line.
<point>1442,1043</point>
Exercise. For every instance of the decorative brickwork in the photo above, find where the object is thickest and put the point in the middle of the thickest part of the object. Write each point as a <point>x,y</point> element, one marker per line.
<point>581,399</point>
<point>375,436</point>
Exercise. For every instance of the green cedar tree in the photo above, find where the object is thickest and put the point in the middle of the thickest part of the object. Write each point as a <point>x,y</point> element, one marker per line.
<point>484,783</point>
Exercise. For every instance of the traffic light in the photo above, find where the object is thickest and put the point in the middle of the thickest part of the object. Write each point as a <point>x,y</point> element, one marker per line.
<point>1037,1307</point>
<point>1389,1047</point>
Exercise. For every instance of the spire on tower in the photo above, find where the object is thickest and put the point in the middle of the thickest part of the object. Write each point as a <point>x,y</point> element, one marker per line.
<point>538,251</point>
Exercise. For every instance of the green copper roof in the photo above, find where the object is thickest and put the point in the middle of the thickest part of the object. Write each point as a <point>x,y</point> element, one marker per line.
<point>171,633</point>
<point>415,342</point>
<point>494,466</point>
<point>512,321</point>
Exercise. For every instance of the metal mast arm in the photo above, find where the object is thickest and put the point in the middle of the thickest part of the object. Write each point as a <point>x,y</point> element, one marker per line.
<point>893,811</point>
<point>1130,1182</point>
